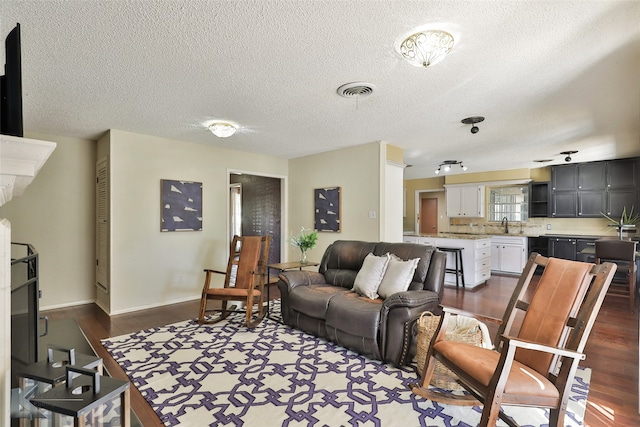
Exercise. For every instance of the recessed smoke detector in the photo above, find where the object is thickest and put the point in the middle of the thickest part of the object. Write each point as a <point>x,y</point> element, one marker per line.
<point>356,90</point>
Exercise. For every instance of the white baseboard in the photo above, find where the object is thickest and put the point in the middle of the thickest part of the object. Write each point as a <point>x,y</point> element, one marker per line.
<point>66,305</point>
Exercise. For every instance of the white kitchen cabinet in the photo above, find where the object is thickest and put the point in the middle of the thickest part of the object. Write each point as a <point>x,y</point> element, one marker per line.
<point>465,201</point>
<point>421,240</point>
<point>409,239</point>
<point>476,260</point>
<point>508,254</point>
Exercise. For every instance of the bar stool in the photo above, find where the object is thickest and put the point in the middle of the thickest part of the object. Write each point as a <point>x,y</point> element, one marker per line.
<point>457,257</point>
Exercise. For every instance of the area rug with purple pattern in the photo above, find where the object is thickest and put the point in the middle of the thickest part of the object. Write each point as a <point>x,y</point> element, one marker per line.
<point>227,375</point>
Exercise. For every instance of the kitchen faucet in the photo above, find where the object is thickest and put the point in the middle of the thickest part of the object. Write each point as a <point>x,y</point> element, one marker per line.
<point>505,222</point>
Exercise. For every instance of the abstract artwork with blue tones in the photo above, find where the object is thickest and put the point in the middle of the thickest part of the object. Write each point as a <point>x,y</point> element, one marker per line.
<point>181,205</point>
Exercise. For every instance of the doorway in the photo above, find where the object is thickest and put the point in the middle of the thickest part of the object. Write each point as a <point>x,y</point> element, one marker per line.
<point>428,216</point>
<point>255,209</point>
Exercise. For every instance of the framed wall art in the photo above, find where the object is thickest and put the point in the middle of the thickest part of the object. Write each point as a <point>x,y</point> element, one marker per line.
<point>181,205</point>
<point>327,214</point>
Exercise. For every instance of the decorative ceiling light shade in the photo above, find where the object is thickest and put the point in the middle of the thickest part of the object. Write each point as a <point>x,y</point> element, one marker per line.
<point>426,48</point>
<point>473,121</point>
<point>446,166</point>
<point>568,153</point>
<point>222,129</point>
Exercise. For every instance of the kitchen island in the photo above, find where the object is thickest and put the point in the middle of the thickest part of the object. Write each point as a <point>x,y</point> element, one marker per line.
<point>476,255</point>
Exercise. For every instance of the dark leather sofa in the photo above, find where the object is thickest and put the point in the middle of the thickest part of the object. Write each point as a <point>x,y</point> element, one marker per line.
<point>322,303</point>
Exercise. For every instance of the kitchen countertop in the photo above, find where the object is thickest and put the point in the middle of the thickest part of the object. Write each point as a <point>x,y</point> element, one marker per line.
<point>453,236</point>
<point>473,236</point>
<point>466,236</point>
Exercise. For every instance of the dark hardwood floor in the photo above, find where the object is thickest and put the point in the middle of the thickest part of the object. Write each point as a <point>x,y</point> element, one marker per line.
<point>612,349</point>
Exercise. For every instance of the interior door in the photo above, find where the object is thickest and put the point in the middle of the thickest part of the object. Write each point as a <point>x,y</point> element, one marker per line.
<point>429,216</point>
<point>260,209</point>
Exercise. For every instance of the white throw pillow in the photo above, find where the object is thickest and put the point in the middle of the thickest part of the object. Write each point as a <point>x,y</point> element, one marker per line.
<point>398,276</point>
<point>370,275</point>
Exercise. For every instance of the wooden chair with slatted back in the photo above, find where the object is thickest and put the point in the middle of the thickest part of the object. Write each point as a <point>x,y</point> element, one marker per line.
<point>244,281</point>
<point>623,254</point>
<point>537,366</point>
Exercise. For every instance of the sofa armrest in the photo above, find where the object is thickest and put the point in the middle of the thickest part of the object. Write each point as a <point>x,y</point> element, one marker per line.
<point>293,278</point>
<point>435,275</point>
<point>399,313</point>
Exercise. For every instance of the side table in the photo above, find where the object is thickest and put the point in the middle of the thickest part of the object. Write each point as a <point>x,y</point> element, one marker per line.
<point>283,266</point>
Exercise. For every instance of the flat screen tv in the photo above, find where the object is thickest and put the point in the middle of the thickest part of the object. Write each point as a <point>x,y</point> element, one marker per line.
<point>11,86</point>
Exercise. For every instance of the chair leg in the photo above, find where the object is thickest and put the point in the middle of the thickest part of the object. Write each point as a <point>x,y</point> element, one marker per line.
<point>203,299</point>
<point>632,290</point>
<point>490,412</point>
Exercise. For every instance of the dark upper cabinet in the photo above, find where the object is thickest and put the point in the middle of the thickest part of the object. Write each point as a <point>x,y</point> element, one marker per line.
<point>564,177</point>
<point>622,174</point>
<point>564,204</point>
<point>617,200</point>
<point>622,186</point>
<point>592,176</point>
<point>587,190</point>
<point>564,191</point>
<point>591,203</point>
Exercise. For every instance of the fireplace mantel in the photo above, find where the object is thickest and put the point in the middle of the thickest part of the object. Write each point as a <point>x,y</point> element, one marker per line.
<point>20,161</point>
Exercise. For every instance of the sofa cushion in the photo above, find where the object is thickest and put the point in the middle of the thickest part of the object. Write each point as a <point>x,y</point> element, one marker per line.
<point>357,315</point>
<point>398,276</point>
<point>409,251</point>
<point>370,275</point>
<point>313,300</point>
<point>342,260</point>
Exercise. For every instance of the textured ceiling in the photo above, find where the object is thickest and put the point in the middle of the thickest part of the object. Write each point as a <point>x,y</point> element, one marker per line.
<point>549,76</point>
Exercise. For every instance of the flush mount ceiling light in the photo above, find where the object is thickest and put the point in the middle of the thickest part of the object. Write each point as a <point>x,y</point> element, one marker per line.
<point>222,129</point>
<point>472,121</point>
<point>446,166</point>
<point>568,153</point>
<point>426,47</point>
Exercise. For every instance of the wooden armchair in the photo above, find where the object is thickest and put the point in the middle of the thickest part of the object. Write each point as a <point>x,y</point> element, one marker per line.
<point>536,366</point>
<point>244,281</point>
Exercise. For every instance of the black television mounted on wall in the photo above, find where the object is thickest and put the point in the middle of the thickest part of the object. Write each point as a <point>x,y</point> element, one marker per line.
<point>11,87</point>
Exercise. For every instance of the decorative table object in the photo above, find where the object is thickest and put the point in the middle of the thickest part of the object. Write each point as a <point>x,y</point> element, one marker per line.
<point>305,240</point>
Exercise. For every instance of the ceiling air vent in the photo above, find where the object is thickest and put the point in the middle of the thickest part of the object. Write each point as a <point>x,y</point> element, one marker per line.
<point>356,90</point>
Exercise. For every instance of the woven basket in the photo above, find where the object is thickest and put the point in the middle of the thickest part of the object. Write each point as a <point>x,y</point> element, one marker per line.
<point>427,325</point>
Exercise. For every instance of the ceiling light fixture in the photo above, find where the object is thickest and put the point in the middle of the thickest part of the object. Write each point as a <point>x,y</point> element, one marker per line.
<point>222,129</point>
<point>426,47</point>
<point>472,121</point>
<point>447,166</point>
<point>568,153</point>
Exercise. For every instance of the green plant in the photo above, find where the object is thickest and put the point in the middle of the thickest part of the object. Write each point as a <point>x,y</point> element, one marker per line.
<point>305,240</point>
<point>629,218</point>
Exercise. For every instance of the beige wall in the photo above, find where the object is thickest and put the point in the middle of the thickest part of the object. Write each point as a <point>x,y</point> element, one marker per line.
<point>357,171</point>
<point>427,187</point>
<point>56,214</point>
<point>152,268</point>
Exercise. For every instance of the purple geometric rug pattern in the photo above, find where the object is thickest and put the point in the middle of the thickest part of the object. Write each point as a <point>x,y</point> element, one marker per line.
<point>227,375</point>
